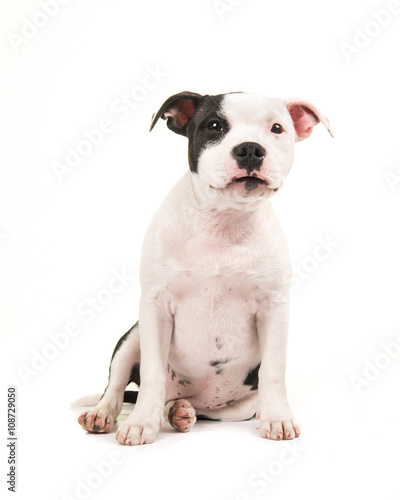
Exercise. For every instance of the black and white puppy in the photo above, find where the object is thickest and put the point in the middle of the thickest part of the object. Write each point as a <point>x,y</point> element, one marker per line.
<point>214,309</point>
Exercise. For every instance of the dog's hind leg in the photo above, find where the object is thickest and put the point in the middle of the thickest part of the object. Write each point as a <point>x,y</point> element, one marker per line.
<point>124,369</point>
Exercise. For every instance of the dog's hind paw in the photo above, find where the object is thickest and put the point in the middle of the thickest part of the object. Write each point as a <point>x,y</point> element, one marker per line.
<point>182,415</point>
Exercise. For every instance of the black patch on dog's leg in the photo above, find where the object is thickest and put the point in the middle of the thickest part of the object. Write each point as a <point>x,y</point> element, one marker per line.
<point>123,338</point>
<point>135,374</point>
<point>117,347</point>
<point>252,378</point>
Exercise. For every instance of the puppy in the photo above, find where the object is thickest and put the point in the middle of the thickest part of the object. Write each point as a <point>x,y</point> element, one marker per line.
<point>215,277</point>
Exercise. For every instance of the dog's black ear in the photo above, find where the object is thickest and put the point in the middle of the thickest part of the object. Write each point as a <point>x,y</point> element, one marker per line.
<point>178,111</point>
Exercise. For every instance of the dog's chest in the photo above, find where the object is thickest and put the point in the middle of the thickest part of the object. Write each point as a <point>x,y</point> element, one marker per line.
<point>214,300</point>
<point>214,280</point>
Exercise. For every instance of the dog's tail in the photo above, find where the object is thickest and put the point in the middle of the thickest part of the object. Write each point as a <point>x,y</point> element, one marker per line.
<point>92,400</point>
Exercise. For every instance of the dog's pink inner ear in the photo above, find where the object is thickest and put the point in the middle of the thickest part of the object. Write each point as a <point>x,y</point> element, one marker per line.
<point>181,112</point>
<point>304,120</point>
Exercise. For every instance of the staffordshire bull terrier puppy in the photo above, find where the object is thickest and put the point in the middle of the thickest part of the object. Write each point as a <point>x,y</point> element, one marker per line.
<point>215,277</point>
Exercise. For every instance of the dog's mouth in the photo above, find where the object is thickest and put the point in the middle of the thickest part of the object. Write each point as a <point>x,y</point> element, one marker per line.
<point>251,182</point>
<point>249,178</point>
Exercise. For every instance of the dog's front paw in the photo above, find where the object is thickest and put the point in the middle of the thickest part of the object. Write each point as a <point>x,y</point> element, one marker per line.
<point>279,427</point>
<point>135,431</point>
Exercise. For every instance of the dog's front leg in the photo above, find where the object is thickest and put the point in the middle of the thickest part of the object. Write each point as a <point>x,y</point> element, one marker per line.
<point>155,326</point>
<point>276,418</point>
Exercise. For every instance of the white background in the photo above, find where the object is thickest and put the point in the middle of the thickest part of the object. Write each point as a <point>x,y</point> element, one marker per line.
<point>61,240</point>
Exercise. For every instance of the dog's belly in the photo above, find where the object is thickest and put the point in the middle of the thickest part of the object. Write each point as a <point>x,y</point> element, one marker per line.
<point>214,346</point>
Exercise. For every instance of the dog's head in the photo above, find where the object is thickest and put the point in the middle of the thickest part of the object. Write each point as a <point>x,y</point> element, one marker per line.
<point>241,146</point>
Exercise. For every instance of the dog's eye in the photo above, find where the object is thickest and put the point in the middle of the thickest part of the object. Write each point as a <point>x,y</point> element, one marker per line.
<point>215,126</point>
<point>276,128</point>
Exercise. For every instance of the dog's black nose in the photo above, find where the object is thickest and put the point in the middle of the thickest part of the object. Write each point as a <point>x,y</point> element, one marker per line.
<point>249,155</point>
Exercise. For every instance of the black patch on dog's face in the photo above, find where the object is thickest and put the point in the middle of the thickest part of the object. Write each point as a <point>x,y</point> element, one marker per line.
<point>252,378</point>
<point>208,126</point>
